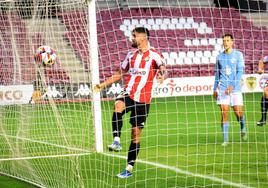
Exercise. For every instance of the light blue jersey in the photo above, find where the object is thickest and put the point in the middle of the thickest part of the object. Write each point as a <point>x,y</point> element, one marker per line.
<point>265,59</point>
<point>229,71</point>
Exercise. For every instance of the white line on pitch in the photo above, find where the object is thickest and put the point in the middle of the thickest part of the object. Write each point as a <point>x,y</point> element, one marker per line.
<point>46,143</point>
<point>44,157</point>
<point>178,170</point>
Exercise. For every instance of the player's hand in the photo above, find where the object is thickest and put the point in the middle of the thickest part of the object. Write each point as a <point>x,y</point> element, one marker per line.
<point>215,95</point>
<point>160,78</point>
<point>161,75</point>
<point>260,71</point>
<point>229,90</point>
<point>97,88</point>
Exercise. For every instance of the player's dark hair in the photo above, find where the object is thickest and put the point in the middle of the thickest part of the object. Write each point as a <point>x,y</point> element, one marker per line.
<point>142,30</point>
<point>228,35</point>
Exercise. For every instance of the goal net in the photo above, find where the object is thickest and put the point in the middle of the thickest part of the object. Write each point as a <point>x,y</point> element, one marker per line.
<point>54,130</point>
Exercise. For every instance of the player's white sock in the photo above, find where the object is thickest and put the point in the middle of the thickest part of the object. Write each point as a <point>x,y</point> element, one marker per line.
<point>129,168</point>
<point>117,139</point>
<point>225,131</point>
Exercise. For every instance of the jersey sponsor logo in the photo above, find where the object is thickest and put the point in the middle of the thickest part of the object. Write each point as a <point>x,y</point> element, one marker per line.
<point>233,60</point>
<point>146,59</point>
<point>228,70</point>
<point>137,71</point>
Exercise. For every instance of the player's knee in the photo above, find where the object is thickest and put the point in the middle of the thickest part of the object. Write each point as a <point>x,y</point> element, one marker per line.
<point>135,135</point>
<point>224,120</point>
<point>225,115</point>
<point>119,106</point>
<point>266,94</point>
<point>135,140</point>
<point>239,113</point>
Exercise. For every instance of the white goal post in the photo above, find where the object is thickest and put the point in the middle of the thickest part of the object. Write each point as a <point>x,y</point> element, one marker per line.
<point>54,130</point>
<point>93,54</point>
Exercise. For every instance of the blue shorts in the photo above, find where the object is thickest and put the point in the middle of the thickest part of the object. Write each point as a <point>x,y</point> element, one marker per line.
<point>233,99</point>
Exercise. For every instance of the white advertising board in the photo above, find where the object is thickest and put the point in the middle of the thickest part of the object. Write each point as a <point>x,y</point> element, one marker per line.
<point>15,94</point>
<point>190,86</point>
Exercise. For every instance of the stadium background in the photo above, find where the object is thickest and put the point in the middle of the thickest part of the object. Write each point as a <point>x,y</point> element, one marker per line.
<point>188,33</point>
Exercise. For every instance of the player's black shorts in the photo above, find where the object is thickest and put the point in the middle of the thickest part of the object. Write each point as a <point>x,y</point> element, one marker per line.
<point>139,111</point>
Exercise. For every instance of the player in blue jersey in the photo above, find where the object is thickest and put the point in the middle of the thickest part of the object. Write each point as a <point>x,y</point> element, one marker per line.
<point>264,99</point>
<point>227,86</point>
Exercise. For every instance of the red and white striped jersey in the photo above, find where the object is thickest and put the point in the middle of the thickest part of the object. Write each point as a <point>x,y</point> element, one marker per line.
<point>142,69</point>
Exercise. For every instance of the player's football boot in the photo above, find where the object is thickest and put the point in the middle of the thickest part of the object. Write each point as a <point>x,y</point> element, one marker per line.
<point>124,174</point>
<point>224,144</point>
<point>244,136</point>
<point>261,123</point>
<point>115,146</point>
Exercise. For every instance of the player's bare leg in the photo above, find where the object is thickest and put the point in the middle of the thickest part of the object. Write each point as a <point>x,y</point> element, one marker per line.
<point>225,123</point>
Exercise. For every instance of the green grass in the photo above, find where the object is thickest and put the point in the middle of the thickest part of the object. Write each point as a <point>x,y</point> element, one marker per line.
<point>181,132</point>
<point>7,182</point>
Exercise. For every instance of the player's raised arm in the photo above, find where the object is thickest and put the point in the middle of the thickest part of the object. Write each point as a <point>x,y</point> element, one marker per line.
<point>114,78</point>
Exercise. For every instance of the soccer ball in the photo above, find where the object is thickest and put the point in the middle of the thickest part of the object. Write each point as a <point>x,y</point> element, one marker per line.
<point>45,56</point>
<point>48,59</point>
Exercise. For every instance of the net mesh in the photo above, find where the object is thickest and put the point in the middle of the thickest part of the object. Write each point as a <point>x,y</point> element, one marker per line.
<point>47,131</point>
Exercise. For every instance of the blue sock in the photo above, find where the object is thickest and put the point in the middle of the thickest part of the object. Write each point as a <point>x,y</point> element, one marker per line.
<point>242,123</point>
<point>225,128</point>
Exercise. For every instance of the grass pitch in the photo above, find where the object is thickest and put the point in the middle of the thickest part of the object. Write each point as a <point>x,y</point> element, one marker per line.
<point>180,147</point>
